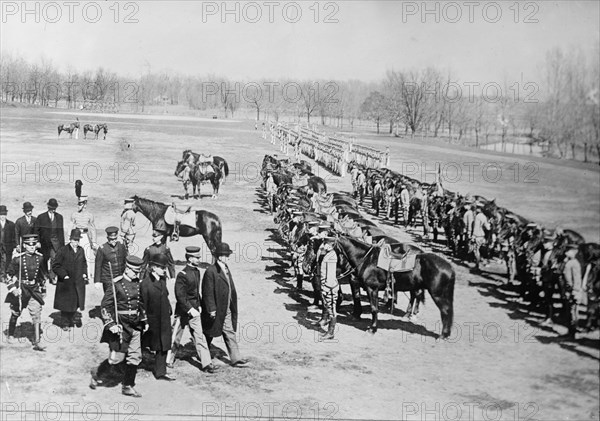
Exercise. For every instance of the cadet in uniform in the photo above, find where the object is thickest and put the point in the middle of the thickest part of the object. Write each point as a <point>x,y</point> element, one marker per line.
<point>123,327</point>
<point>327,264</point>
<point>112,252</point>
<point>576,295</point>
<point>127,224</point>
<point>83,220</point>
<point>158,246</point>
<point>27,288</point>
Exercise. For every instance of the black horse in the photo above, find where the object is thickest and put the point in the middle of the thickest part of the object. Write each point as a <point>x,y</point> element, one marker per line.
<point>208,225</point>
<point>194,158</point>
<point>199,173</point>
<point>69,128</point>
<point>431,272</point>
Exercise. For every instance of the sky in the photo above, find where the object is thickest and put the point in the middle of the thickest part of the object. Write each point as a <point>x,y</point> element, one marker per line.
<point>503,41</point>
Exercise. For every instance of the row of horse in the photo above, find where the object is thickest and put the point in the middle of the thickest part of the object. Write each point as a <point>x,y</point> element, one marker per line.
<point>511,237</point>
<point>357,254</point>
<point>74,127</point>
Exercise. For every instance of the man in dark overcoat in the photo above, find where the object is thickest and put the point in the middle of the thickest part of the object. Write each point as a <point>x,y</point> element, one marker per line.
<point>155,299</point>
<point>50,230</point>
<point>7,241</point>
<point>219,304</point>
<point>113,252</point>
<point>70,267</point>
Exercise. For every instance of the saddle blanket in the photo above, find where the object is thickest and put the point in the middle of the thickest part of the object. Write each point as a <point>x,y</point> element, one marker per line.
<point>188,218</point>
<point>393,262</point>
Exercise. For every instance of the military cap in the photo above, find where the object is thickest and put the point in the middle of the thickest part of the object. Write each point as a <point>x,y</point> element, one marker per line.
<point>52,203</point>
<point>111,231</point>
<point>27,206</point>
<point>82,199</point>
<point>532,225</point>
<point>158,232</point>
<point>126,201</point>
<point>193,251</point>
<point>30,239</point>
<point>478,204</point>
<point>3,210</point>
<point>159,260</point>
<point>134,263</point>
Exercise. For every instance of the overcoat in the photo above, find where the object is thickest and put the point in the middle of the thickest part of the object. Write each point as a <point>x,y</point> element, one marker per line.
<point>70,293</point>
<point>43,228</point>
<point>215,292</point>
<point>155,300</point>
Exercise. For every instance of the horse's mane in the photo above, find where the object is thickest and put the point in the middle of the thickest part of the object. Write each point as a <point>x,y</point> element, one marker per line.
<point>156,208</point>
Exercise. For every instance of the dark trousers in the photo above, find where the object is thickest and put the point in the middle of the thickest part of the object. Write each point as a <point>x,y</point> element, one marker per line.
<point>160,364</point>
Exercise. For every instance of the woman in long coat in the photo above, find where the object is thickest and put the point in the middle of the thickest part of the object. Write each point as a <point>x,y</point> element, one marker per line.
<point>70,266</point>
<point>155,297</point>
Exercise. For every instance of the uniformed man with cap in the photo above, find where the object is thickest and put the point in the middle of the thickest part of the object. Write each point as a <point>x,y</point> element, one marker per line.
<point>83,220</point>
<point>189,308</point>
<point>271,190</point>
<point>127,224</point>
<point>109,257</point>
<point>155,297</point>
<point>25,224</point>
<point>26,288</point>
<point>158,247</point>
<point>405,203</point>
<point>480,226</point>
<point>124,321</point>
<point>327,267</point>
<point>575,290</point>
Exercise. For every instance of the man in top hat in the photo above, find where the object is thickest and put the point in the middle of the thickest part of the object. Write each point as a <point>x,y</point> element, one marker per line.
<point>576,292</point>
<point>70,266</point>
<point>26,288</point>
<point>189,308</point>
<point>83,220</point>
<point>158,246</point>
<point>110,259</point>
<point>123,327</point>
<point>25,224</point>
<point>327,267</point>
<point>480,226</point>
<point>49,228</point>
<point>155,298</point>
<point>219,304</point>
<point>7,241</point>
<point>127,224</point>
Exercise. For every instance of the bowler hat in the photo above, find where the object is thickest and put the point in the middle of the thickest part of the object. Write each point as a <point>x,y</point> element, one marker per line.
<point>52,203</point>
<point>159,260</point>
<point>192,251</point>
<point>75,234</point>
<point>3,210</point>
<point>27,206</point>
<point>223,250</point>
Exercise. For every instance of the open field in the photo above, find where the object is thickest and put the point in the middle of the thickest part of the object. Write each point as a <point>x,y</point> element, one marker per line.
<point>498,364</point>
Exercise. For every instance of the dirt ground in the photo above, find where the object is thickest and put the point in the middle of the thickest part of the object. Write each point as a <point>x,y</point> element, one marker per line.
<point>498,364</point>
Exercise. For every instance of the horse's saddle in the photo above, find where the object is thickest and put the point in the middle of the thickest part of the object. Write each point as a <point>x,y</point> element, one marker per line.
<point>205,167</point>
<point>205,159</point>
<point>396,258</point>
<point>180,213</point>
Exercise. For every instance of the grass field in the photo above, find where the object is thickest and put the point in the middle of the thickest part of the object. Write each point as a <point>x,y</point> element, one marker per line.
<point>499,363</point>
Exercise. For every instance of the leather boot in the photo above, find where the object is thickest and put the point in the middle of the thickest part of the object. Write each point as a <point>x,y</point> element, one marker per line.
<point>331,330</point>
<point>129,381</point>
<point>37,337</point>
<point>12,327</point>
<point>323,320</point>
<point>299,282</point>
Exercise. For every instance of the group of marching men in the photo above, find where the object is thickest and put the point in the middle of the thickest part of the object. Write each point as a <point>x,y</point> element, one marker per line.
<point>135,307</point>
<point>543,261</point>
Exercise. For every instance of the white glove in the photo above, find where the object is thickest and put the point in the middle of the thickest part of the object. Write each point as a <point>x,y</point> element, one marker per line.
<point>194,313</point>
<point>115,329</point>
<point>98,285</point>
<point>16,292</point>
<point>146,327</point>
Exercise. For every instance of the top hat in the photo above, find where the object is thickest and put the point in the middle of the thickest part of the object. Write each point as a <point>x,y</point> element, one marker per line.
<point>27,206</point>
<point>223,250</point>
<point>193,251</point>
<point>52,203</point>
<point>134,263</point>
<point>3,210</point>
<point>75,234</point>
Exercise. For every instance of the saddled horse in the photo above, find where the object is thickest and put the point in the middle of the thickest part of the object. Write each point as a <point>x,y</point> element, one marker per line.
<point>100,128</point>
<point>194,158</point>
<point>69,128</point>
<point>207,224</point>
<point>198,173</point>
<point>431,272</point>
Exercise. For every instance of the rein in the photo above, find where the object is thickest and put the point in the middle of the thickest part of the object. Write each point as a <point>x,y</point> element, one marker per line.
<point>352,269</point>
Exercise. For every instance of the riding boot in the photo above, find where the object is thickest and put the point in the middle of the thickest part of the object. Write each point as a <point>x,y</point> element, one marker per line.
<point>324,318</point>
<point>37,337</point>
<point>12,327</point>
<point>330,330</point>
<point>299,282</point>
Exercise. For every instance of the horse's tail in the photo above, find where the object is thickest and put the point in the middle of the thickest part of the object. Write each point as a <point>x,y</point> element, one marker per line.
<point>225,168</point>
<point>449,295</point>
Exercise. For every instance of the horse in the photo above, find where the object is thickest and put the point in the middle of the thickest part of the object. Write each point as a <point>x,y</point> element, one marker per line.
<point>199,173</point>
<point>208,225</point>
<point>100,127</point>
<point>431,272</point>
<point>193,158</point>
<point>87,128</point>
<point>69,128</point>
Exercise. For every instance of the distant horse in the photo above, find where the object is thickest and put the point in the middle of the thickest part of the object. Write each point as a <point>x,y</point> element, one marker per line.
<point>198,173</point>
<point>69,128</point>
<point>208,225</point>
<point>194,158</point>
